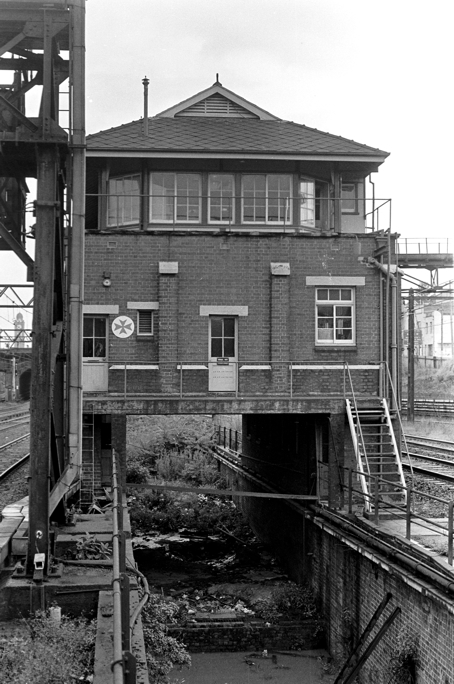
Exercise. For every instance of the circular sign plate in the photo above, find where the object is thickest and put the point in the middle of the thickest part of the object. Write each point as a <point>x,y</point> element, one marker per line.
<point>123,327</point>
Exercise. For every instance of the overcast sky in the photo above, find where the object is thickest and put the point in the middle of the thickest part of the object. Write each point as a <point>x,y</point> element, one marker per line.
<point>375,71</point>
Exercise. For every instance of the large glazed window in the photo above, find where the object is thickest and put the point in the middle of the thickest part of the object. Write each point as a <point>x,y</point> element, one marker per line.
<point>221,189</point>
<point>124,201</point>
<point>175,198</point>
<point>335,316</point>
<point>94,337</point>
<point>267,198</point>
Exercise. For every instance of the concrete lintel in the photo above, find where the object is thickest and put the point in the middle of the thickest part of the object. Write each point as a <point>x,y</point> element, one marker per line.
<point>213,405</point>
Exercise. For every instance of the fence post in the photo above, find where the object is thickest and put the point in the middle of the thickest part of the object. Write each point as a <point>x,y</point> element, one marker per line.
<point>408,514</point>
<point>450,531</point>
<point>376,497</point>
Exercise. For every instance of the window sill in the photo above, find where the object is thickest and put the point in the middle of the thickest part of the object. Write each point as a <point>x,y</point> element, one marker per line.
<point>336,347</point>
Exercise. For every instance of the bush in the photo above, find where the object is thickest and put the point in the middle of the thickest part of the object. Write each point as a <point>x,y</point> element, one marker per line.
<point>169,512</point>
<point>49,652</point>
<point>136,471</point>
<point>163,652</point>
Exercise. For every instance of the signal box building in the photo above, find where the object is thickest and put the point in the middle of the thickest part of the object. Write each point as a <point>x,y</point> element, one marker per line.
<point>236,266</point>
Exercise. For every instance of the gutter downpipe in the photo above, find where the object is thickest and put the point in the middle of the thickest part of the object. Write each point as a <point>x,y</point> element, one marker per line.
<point>391,284</point>
<point>75,282</point>
<point>77,238</point>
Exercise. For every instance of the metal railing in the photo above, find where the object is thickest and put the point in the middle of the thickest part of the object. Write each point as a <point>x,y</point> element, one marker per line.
<point>245,378</point>
<point>424,246</point>
<point>124,662</point>
<point>406,511</point>
<point>306,213</point>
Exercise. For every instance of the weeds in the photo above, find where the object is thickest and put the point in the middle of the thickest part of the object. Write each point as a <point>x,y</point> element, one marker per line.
<point>49,652</point>
<point>163,652</point>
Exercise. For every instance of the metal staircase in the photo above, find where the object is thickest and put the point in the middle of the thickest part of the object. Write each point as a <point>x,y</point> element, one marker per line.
<point>377,455</point>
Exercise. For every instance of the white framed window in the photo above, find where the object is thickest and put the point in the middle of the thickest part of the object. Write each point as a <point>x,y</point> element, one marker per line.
<point>124,200</point>
<point>221,198</point>
<point>267,198</point>
<point>145,322</point>
<point>349,201</point>
<point>175,198</point>
<point>335,316</point>
<point>307,203</point>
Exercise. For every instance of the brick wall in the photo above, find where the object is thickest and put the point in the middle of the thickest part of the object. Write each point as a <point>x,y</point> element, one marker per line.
<point>233,271</point>
<point>352,586</point>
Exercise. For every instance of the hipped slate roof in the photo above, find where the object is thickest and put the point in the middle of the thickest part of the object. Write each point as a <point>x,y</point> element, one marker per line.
<point>176,131</point>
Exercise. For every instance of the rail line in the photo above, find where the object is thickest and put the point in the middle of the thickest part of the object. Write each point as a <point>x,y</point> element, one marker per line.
<point>439,407</point>
<point>14,441</point>
<point>12,423</point>
<point>426,450</point>
<point>13,467</point>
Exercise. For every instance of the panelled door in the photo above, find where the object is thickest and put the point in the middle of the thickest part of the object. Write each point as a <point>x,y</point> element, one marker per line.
<point>95,368</point>
<point>223,355</point>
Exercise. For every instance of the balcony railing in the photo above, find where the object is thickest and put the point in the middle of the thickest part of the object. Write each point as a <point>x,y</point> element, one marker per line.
<point>424,246</point>
<point>232,379</point>
<point>305,215</point>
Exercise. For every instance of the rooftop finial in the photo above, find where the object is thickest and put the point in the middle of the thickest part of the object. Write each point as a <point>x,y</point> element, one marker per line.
<point>217,82</point>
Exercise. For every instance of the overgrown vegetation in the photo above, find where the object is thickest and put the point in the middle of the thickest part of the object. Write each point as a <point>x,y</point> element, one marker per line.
<point>49,652</point>
<point>430,382</point>
<point>190,512</point>
<point>404,660</point>
<point>163,652</point>
<point>289,600</point>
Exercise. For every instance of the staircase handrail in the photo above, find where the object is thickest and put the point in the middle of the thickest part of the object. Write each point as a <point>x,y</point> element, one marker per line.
<point>358,423</point>
<point>402,432</point>
<point>361,472</point>
<point>396,450</point>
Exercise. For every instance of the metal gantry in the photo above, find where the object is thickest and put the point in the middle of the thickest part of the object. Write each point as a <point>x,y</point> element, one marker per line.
<point>42,48</point>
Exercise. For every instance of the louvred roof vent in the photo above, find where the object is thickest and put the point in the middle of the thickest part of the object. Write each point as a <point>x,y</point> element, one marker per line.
<point>217,105</point>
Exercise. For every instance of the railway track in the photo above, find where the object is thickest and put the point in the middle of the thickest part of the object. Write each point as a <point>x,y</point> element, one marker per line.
<point>432,458</point>
<point>432,407</point>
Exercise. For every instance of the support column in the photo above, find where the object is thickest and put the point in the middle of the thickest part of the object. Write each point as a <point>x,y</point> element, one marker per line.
<point>280,317</point>
<point>168,326</point>
<point>40,399</point>
<point>336,460</point>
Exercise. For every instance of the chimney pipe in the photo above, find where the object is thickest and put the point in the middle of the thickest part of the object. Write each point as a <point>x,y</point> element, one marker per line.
<point>145,82</point>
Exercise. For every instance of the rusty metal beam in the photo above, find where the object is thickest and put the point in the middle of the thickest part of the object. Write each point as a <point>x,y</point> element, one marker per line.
<point>40,398</point>
<point>16,247</point>
<point>18,114</point>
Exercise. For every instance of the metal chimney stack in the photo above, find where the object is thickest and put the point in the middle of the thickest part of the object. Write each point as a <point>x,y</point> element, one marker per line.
<point>145,82</point>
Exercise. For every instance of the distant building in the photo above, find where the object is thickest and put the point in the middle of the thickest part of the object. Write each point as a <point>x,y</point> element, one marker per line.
<point>434,322</point>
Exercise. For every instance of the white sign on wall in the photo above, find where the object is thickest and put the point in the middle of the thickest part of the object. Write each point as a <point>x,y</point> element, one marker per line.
<point>122,326</point>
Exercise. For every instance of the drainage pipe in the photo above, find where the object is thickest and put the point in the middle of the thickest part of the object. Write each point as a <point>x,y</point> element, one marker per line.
<point>391,283</point>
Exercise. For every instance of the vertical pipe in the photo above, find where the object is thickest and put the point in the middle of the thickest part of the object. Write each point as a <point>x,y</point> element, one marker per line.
<point>145,82</point>
<point>77,236</point>
<point>450,530</point>
<point>411,358</point>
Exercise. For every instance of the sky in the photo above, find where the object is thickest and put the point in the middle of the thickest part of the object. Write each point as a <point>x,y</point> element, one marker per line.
<point>375,71</point>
